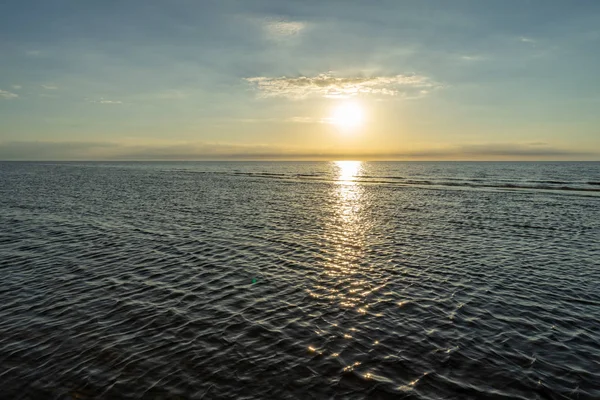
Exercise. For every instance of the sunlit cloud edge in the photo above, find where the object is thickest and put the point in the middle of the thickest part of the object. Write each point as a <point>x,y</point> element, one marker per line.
<point>329,85</point>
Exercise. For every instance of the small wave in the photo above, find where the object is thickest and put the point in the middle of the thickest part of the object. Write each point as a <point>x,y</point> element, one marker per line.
<point>310,175</point>
<point>258,173</point>
<point>393,180</point>
<point>551,182</point>
<point>380,177</point>
<point>520,186</point>
<point>553,185</point>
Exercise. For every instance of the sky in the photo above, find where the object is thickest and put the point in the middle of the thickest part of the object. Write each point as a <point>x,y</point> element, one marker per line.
<point>310,79</point>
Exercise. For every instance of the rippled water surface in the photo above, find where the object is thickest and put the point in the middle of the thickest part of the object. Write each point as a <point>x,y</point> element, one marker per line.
<point>300,280</point>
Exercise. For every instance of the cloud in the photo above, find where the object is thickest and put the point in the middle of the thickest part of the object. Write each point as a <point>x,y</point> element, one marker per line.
<point>44,150</point>
<point>514,150</point>
<point>304,120</point>
<point>329,85</point>
<point>539,143</point>
<point>50,87</point>
<point>281,27</point>
<point>277,28</point>
<point>16,87</point>
<point>104,101</point>
<point>256,120</point>
<point>47,150</point>
<point>527,40</point>
<point>8,95</point>
<point>297,120</point>
<point>488,152</point>
<point>472,58</point>
<point>294,120</point>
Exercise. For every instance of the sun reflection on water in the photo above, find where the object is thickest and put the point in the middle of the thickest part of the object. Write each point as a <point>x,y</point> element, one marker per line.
<point>348,171</point>
<point>348,203</point>
<point>346,280</point>
<point>345,234</point>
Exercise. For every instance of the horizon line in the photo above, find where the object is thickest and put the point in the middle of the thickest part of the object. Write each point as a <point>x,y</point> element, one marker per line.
<point>288,160</point>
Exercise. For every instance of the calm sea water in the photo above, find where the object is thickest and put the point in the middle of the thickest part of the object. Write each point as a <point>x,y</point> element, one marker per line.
<point>300,280</point>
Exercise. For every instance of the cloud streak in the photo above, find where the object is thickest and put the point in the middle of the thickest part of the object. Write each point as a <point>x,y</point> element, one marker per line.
<point>281,27</point>
<point>527,40</point>
<point>330,86</point>
<point>8,95</point>
<point>104,101</point>
<point>46,150</point>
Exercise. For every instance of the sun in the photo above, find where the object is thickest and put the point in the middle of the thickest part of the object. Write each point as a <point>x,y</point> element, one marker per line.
<point>347,115</point>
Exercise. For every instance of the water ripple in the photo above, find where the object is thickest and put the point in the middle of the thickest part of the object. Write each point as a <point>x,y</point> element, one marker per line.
<point>292,281</point>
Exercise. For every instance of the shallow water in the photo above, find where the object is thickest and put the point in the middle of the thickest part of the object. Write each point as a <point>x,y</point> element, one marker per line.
<point>300,280</point>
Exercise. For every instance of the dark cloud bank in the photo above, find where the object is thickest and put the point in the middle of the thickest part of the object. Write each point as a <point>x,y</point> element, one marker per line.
<point>42,150</point>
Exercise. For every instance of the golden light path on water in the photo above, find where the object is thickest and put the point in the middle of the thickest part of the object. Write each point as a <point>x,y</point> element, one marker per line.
<point>350,283</point>
<point>344,238</point>
<point>347,282</point>
<point>348,171</point>
<point>348,230</point>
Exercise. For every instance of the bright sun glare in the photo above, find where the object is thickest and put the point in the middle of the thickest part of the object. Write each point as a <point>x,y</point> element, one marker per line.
<point>347,115</point>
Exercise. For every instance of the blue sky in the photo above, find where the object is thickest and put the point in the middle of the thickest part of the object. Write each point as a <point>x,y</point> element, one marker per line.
<point>263,79</point>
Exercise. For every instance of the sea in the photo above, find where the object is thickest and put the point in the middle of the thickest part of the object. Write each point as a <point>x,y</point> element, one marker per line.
<point>300,280</point>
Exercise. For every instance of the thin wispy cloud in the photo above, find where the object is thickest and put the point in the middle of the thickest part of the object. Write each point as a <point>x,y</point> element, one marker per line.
<point>527,40</point>
<point>331,86</point>
<point>472,58</point>
<point>512,149</point>
<point>281,27</point>
<point>538,143</point>
<point>105,101</point>
<point>304,120</point>
<point>310,120</point>
<point>16,87</point>
<point>294,120</point>
<point>50,87</point>
<point>8,95</point>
